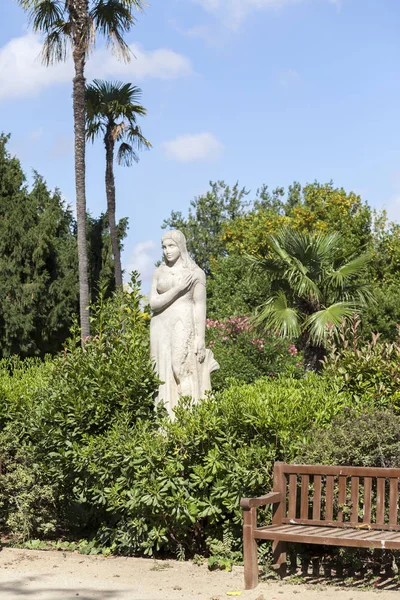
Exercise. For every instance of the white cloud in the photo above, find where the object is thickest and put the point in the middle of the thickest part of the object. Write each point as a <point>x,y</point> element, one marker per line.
<point>199,146</point>
<point>35,135</point>
<point>232,12</point>
<point>288,78</point>
<point>158,64</point>
<point>143,258</point>
<point>22,74</point>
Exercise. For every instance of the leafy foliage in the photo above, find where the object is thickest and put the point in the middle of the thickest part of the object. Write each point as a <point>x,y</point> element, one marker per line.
<point>245,356</point>
<point>370,438</point>
<point>204,224</point>
<point>314,207</point>
<point>38,263</point>
<point>316,287</point>
<point>232,289</point>
<point>28,497</point>
<point>368,371</point>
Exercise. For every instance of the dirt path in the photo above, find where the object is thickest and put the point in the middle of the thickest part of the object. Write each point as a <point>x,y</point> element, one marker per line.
<point>36,575</point>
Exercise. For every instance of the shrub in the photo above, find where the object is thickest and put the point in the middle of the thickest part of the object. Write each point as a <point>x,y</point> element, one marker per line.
<point>105,466</point>
<point>368,439</point>
<point>369,372</point>
<point>176,486</point>
<point>58,407</point>
<point>245,356</point>
<point>28,498</point>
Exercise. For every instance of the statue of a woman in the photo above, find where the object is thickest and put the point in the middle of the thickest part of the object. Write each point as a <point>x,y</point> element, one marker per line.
<point>177,329</point>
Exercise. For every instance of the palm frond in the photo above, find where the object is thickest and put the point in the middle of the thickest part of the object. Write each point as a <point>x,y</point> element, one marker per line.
<point>93,129</point>
<point>127,152</point>
<point>113,18</point>
<point>275,314</point>
<point>113,106</point>
<point>364,294</point>
<point>319,323</point>
<point>136,138</point>
<point>299,278</point>
<point>46,14</point>
<point>126,155</point>
<point>262,264</point>
<point>349,270</point>
<point>55,46</point>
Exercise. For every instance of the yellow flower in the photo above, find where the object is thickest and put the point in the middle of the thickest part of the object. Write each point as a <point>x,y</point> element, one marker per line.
<point>145,316</point>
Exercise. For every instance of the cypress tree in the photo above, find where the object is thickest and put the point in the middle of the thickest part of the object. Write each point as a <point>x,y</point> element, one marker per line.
<point>38,263</point>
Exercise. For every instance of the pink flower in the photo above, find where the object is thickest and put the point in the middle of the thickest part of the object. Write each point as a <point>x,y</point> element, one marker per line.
<point>292,350</point>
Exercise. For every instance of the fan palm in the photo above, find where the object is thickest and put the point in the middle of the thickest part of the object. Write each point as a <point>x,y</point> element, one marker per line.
<point>76,23</point>
<point>315,288</point>
<point>111,111</point>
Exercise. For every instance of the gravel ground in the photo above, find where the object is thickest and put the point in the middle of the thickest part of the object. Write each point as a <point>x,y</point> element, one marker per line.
<point>36,575</point>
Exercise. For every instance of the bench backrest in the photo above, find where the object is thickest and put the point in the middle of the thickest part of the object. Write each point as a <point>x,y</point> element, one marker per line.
<point>362,497</point>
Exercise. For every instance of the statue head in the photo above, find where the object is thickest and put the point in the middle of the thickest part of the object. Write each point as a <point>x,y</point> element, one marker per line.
<point>179,239</point>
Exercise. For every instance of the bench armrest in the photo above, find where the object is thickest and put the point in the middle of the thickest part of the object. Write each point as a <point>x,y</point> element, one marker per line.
<point>271,498</point>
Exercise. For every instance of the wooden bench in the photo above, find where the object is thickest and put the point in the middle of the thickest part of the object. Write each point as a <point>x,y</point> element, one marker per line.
<point>317,504</point>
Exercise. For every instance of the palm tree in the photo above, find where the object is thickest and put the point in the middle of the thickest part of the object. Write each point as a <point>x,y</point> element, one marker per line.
<point>111,111</point>
<point>314,288</point>
<point>75,23</point>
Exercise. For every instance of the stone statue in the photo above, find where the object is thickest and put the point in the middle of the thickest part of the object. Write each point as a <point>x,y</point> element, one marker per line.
<point>177,329</point>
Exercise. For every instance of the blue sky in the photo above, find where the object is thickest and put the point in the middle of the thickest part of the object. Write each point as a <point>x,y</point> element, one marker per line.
<point>260,91</point>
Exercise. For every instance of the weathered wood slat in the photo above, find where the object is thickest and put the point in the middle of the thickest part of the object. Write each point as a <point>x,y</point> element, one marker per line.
<point>341,496</point>
<point>367,499</point>
<point>332,537</point>
<point>317,498</point>
<point>305,482</point>
<point>329,498</point>
<point>339,470</point>
<point>318,523</point>
<point>380,501</point>
<point>342,524</point>
<point>292,496</point>
<point>355,487</point>
<point>393,501</point>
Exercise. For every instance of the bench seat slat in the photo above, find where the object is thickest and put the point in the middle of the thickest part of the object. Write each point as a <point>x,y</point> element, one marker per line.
<point>330,536</point>
<point>342,524</point>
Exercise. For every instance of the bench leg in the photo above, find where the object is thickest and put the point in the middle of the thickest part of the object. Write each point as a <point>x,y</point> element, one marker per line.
<point>279,557</point>
<point>250,557</point>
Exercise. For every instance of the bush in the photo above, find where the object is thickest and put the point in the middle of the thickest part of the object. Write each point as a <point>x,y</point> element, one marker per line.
<point>369,372</point>
<point>245,356</point>
<point>102,464</point>
<point>58,407</point>
<point>175,486</point>
<point>28,498</point>
<point>367,439</point>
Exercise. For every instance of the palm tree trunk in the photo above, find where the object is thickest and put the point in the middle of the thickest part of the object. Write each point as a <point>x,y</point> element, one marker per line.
<point>80,186</point>
<point>110,192</point>
<point>313,357</point>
